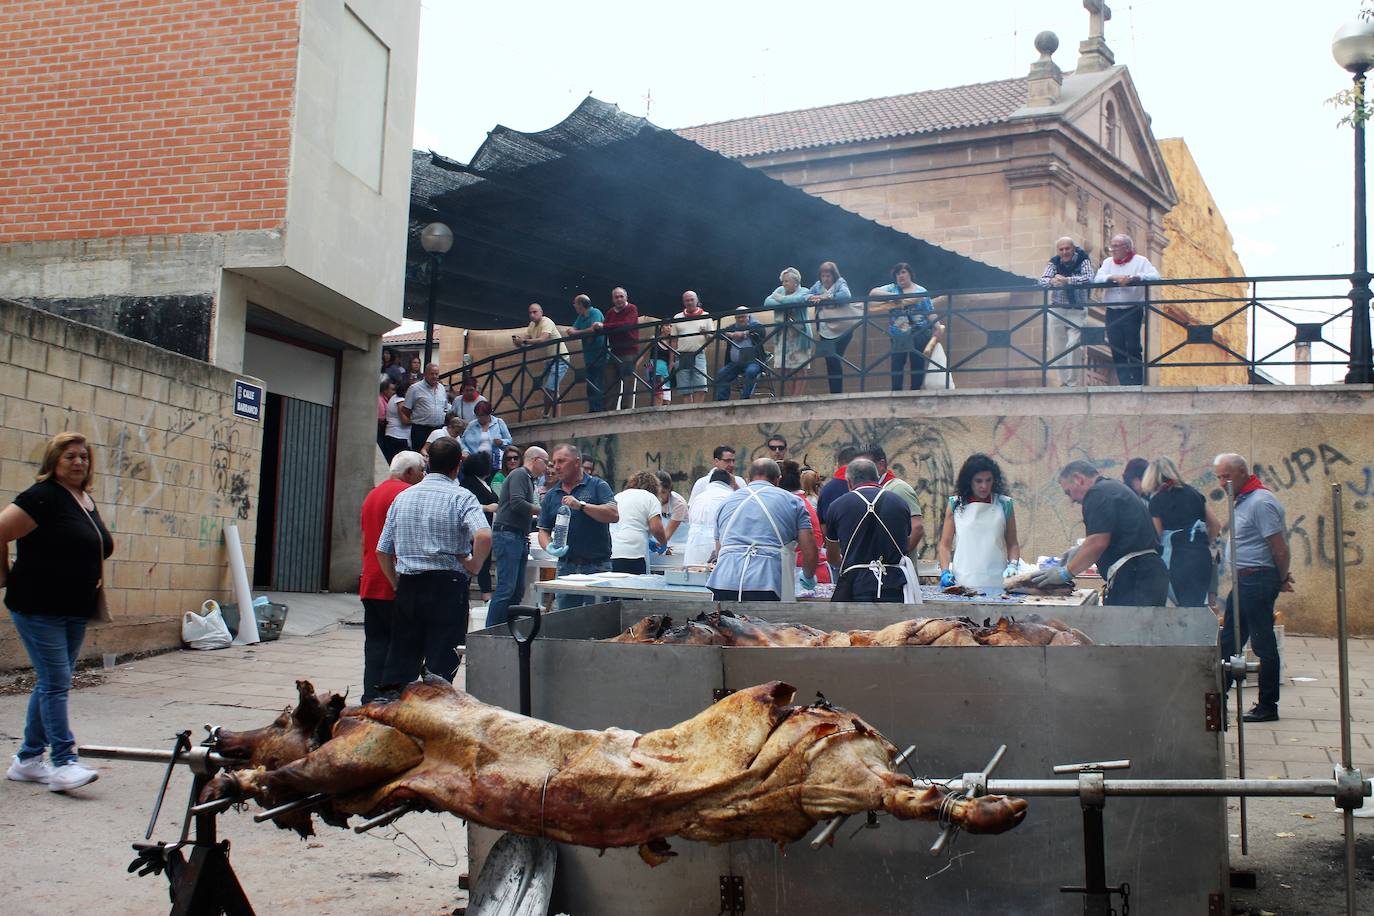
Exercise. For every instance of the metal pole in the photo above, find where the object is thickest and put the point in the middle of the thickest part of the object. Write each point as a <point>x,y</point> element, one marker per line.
<point>1153,788</point>
<point>1361,359</point>
<point>434,260</point>
<point>1238,675</point>
<point>1343,667</point>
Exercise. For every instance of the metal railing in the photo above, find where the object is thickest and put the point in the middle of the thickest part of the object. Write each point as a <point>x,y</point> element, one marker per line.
<point>1227,330</point>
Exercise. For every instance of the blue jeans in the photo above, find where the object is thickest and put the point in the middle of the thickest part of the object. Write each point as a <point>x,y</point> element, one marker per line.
<point>53,644</point>
<point>508,553</point>
<point>593,376</point>
<point>566,568</point>
<point>1258,592</point>
<point>730,371</point>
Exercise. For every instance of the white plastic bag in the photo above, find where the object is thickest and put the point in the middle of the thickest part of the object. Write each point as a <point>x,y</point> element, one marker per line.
<point>205,631</point>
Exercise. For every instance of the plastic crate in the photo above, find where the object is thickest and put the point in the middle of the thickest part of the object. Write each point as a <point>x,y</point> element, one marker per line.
<point>271,619</point>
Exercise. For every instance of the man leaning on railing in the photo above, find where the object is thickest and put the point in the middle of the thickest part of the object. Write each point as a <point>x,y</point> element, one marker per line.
<point>1126,306</point>
<point>1064,276</point>
<point>543,330</point>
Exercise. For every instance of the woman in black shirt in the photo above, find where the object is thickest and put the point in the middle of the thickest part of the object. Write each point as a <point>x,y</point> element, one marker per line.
<point>1186,527</point>
<point>53,591</point>
<point>476,469</point>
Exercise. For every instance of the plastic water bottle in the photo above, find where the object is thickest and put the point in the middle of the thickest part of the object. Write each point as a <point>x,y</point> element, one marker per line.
<point>560,528</point>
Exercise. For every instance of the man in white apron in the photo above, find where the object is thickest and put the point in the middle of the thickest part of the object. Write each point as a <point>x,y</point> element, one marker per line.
<point>1121,540</point>
<point>867,530</point>
<point>753,525</point>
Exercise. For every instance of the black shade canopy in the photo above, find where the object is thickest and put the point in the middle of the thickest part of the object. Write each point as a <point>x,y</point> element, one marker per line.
<point>604,199</point>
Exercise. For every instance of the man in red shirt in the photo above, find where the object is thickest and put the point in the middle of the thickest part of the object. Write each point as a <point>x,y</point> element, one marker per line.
<point>621,325</point>
<point>374,589</point>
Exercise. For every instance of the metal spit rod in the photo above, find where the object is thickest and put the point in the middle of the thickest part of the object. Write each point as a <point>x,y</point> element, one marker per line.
<point>149,755</point>
<point>290,807</point>
<point>1162,788</point>
<point>836,822</point>
<point>1343,667</point>
<point>382,820</point>
<point>1237,676</point>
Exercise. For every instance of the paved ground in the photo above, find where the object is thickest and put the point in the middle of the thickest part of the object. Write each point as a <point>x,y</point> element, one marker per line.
<point>1294,844</point>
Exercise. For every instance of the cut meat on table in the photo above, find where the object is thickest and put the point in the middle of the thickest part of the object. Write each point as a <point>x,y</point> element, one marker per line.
<point>748,767</point>
<point>724,628</point>
<point>1022,584</point>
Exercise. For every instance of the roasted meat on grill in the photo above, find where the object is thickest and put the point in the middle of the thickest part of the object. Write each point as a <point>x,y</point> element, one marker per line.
<point>749,766</point>
<point>724,628</point>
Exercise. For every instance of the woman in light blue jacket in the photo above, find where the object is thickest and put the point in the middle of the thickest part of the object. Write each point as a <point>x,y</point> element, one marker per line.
<point>486,434</point>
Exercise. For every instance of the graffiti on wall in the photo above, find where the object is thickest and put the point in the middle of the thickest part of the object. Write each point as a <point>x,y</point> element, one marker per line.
<point>1298,466</point>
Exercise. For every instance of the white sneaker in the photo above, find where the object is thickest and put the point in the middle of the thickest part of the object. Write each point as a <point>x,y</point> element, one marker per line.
<point>71,776</point>
<point>35,769</point>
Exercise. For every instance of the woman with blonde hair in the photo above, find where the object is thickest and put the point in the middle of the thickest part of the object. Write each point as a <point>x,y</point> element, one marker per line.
<point>805,484</point>
<point>53,591</point>
<point>1186,526</point>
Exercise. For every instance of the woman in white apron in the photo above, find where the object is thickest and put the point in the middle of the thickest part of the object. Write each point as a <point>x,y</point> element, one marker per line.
<point>978,543</point>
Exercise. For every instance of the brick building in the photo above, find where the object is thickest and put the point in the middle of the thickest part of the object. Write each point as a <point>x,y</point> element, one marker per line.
<point>228,182</point>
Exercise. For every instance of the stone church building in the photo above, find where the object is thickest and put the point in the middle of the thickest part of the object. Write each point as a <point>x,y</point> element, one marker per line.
<point>999,170</point>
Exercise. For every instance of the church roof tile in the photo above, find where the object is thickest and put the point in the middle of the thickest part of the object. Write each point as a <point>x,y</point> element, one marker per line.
<point>870,119</point>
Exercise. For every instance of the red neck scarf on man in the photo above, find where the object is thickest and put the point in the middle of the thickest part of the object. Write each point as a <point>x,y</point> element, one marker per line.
<point>1253,483</point>
<point>888,476</point>
<point>1126,260</point>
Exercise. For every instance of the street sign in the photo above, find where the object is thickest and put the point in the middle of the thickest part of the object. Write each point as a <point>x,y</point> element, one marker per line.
<point>247,400</point>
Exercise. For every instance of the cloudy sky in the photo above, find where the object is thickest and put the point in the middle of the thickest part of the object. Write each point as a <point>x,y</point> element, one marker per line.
<point>1244,84</point>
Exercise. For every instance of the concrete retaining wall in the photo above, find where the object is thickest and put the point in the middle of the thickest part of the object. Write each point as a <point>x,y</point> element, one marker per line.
<point>1303,439</point>
<point>173,466</point>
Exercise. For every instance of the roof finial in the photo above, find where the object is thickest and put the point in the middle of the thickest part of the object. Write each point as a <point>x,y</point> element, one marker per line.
<point>1093,54</point>
<point>1046,79</point>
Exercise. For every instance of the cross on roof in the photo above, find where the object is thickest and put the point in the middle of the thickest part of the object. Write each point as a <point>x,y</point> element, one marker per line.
<point>1098,13</point>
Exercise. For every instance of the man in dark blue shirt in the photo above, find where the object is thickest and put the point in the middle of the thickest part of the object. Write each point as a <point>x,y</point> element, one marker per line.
<point>588,546</point>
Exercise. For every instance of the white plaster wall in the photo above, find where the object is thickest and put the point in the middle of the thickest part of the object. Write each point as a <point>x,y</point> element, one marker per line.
<point>295,372</point>
<point>341,232</point>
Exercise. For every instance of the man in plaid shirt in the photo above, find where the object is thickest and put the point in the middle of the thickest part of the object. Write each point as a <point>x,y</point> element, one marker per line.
<point>435,536</point>
<point>1069,268</point>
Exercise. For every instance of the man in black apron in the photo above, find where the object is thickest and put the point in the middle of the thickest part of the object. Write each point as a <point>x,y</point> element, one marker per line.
<point>866,533</point>
<point>1121,540</point>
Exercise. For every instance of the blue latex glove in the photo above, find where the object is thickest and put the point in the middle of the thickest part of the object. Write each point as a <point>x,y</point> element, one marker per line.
<point>557,551</point>
<point>807,583</point>
<point>1012,569</point>
<point>1053,577</point>
<point>656,547</point>
<point>947,578</point>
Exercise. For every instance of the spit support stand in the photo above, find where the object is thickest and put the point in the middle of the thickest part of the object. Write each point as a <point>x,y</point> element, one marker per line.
<point>836,822</point>
<point>975,784</point>
<point>1349,781</point>
<point>1237,669</point>
<point>1092,795</point>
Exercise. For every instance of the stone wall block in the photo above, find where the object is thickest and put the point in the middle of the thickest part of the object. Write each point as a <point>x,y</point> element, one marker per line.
<point>98,372</point>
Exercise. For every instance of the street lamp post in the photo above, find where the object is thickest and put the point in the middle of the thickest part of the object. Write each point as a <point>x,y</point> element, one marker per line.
<point>1353,48</point>
<point>436,239</point>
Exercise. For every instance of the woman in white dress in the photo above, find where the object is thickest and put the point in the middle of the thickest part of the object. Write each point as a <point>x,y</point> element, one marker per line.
<point>978,543</point>
<point>701,518</point>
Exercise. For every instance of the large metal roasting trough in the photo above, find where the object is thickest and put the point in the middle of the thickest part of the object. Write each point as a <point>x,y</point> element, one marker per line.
<point>1147,692</point>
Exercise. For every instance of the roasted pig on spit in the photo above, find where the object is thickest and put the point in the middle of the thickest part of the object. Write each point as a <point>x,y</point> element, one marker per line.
<point>748,767</point>
<point>724,628</point>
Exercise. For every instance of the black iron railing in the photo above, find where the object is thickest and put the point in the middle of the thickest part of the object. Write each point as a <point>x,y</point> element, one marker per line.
<point>1228,330</point>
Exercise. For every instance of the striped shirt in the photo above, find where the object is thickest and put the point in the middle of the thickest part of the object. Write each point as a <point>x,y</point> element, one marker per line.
<point>430,526</point>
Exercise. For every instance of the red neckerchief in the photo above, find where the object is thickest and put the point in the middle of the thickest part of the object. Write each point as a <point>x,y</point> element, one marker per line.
<point>469,400</point>
<point>974,499</point>
<point>1125,260</point>
<point>888,476</point>
<point>1250,485</point>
